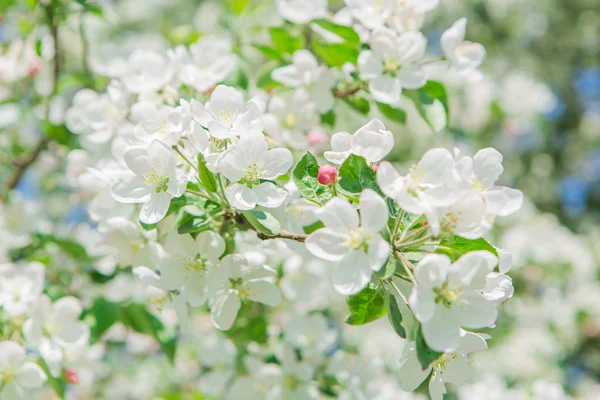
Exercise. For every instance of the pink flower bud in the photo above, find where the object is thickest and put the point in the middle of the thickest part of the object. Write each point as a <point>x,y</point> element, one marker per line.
<point>375,167</point>
<point>316,137</point>
<point>71,376</point>
<point>327,175</point>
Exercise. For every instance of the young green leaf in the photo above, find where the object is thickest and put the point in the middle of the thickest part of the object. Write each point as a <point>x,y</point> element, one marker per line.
<point>367,305</point>
<point>263,222</point>
<point>206,177</point>
<point>57,384</point>
<point>388,269</point>
<point>425,354</point>
<point>432,103</point>
<point>356,175</point>
<point>284,41</point>
<point>457,246</point>
<point>359,104</point>
<point>345,32</point>
<point>337,54</point>
<point>395,316</point>
<point>392,113</point>
<point>305,177</point>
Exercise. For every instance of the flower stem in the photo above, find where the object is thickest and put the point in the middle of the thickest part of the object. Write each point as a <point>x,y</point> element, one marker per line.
<point>407,267</point>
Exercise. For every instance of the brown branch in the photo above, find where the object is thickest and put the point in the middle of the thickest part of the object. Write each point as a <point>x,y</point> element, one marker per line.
<point>347,92</point>
<point>243,222</point>
<point>25,163</point>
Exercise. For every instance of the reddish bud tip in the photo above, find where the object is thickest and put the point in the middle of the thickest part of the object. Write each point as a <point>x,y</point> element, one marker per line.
<point>71,376</point>
<point>375,167</point>
<point>327,175</point>
<point>316,137</point>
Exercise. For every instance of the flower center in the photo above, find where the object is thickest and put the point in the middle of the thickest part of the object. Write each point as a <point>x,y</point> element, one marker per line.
<point>7,375</point>
<point>158,181</point>
<point>358,239</point>
<point>439,365</point>
<point>290,120</point>
<point>252,175</point>
<point>197,263</point>
<point>290,382</point>
<point>237,285</point>
<point>390,66</point>
<point>447,294</point>
<point>226,116</point>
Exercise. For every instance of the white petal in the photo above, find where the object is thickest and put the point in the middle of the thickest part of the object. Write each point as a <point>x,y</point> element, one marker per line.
<point>373,141</point>
<point>72,334</point>
<point>471,342</point>
<point>161,157</point>
<point>341,142</point>
<point>386,89</point>
<point>277,162</point>
<point>453,37</point>
<point>224,310</point>
<point>210,245</point>
<point>379,252</point>
<point>231,265</point>
<point>225,99</point>
<point>389,180</point>
<point>287,75</point>
<point>68,308</point>
<point>442,332</point>
<point>487,166</point>
<point>241,196</point>
<point>230,165</point>
<point>457,371</point>
<point>352,273</point>
<point>263,292</point>
<point>369,66</point>
<point>338,214</point>
<point>411,374</point>
<point>327,244</point>
<point>411,77</point>
<point>136,159</point>
<point>422,303</point>
<point>269,195</point>
<point>251,149</point>
<point>31,376</point>
<point>436,388</point>
<point>431,271</point>
<point>514,201</point>
<point>156,208</point>
<point>13,355</point>
<point>477,312</point>
<point>471,269</point>
<point>373,211</point>
<point>132,190</point>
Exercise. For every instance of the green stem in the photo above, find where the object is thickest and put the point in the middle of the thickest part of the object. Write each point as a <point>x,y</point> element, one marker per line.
<point>406,264</point>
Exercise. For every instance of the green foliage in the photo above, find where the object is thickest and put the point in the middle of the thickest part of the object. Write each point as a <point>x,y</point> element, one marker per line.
<point>337,54</point>
<point>457,246</point>
<point>432,103</point>
<point>284,41</point>
<point>345,32</point>
<point>425,354</point>
<point>103,314</point>
<point>388,269</point>
<point>356,175</point>
<point>263,222</point>
<point>359,104</point>
<point>236,6</point>
<point>57,384</point>
<point>206,177</point>
<point>392,113</point>
<point>305,177</point>
<point>395,316</point>
<point>197,217</point>
<point>367,305</point>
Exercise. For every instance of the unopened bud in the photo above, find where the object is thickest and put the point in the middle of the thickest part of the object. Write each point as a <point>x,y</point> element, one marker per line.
<point>327,175</point>
<point>71,376</point>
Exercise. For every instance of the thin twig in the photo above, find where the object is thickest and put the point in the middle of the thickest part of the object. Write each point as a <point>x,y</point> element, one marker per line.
<point>298,237</point>
<point>407,267</point>
<point>347,92</point>
<point>190,191</point>
<point>25,163</point>
<point>391,282</point>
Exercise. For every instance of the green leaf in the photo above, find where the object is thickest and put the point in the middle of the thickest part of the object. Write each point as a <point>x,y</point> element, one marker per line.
<point>337,54</point>
<point>395,316</point>
<point>236,6</point>
<point>432,103</point>
<point>367,305</point>
<point>356,175</point>
<point>358,103</point>
<point>206,177</point>
<point>140,320</point>
<point>392,113</point>
<point>388,269</point>
<point>425,354</point>
<point>305,177</point>
<point>265,81</point>
<point>308,229</point>
<point>328,118</point>
<point>94,9</point>
<point>345,32</point>
<point>237,78</point>
<point>58,385</point>
<point>100,316</point>
<point>195,218</point>
<point>263,222</point>
<point>269,52</point>
<point>458,246</point>
<point>284,41</point>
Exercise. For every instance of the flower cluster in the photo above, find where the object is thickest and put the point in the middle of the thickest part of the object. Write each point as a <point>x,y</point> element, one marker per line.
<point>248,207</point>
